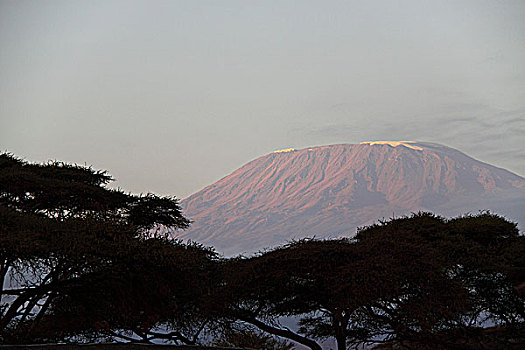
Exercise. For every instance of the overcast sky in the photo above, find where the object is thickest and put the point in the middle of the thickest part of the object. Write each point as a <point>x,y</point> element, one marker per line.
<point>170,96</point>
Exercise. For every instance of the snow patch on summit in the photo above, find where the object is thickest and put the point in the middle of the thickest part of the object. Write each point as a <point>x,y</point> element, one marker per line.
<point>409,144</point>
<point>286,150</point>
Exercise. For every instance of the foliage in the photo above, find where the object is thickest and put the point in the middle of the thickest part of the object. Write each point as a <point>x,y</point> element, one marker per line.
<point>422,279</point>
<point>77,257</point>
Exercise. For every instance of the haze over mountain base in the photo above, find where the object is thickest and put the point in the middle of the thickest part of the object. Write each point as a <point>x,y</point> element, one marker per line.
<point>329,191</point>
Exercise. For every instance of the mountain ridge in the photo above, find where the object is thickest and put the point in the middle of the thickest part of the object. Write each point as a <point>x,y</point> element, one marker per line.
<point>328,191</point>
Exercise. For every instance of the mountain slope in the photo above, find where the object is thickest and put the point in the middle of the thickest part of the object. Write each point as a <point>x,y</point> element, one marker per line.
<point>329,191</point>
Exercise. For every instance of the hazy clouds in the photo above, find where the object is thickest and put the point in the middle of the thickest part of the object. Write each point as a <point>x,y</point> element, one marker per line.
<point>169,96</point>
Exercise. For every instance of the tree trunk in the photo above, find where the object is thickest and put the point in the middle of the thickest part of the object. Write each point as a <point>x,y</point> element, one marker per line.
<point>40,314</point>
<point>4,268</point>
<point>25,296</point>
<point>341,341</point>
<point>340,321</point>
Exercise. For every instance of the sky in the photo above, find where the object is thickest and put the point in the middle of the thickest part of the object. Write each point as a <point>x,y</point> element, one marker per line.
<point>171,96</point>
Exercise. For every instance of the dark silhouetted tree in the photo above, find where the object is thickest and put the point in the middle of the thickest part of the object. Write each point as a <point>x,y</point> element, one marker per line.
<point>79,258</point>
<point>471,260</point>
<point>421,279</point>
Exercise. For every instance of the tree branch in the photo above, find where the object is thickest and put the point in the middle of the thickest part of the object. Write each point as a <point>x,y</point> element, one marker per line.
<point>285,333</point>
<point>171,336</point>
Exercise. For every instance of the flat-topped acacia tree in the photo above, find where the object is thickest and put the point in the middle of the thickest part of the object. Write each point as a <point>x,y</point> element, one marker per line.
<point>421,280</point>
<point>77,257</point>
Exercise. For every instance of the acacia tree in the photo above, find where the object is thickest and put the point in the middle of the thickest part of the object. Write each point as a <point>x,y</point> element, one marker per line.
<point>298,279</point>
<point>153,295</point>
<point>77,254</point>
<point>473,259</point>
<point>420,279</point>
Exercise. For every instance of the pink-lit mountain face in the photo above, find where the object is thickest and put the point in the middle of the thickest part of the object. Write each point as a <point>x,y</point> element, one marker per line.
<point>329,191</point>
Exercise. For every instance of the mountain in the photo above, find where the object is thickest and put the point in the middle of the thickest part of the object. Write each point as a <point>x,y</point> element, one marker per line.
<point>329,191</point>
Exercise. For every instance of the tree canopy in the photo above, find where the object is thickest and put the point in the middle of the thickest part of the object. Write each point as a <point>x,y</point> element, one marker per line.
<point>421,279</point>
<point>77,257</point>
